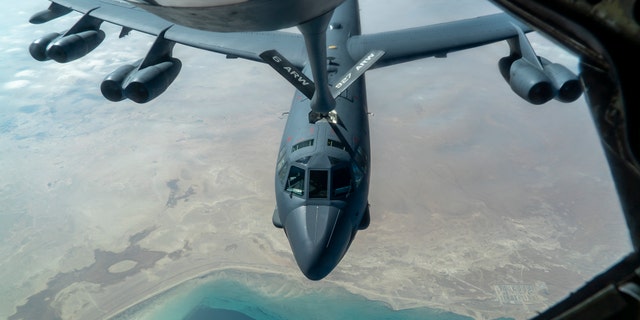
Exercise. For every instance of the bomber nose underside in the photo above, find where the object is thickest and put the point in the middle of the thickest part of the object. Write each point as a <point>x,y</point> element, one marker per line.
<point>319,237</point>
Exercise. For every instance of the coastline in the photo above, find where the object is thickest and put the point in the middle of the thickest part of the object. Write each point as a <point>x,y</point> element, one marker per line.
<point>288,284</point>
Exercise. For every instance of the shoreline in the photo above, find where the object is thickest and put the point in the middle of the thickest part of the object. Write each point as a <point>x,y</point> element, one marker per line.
<point>393,303</point>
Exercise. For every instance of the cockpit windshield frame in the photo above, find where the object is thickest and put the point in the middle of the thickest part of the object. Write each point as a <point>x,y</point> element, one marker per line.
<point>334,183</point>
<point>296,181</point>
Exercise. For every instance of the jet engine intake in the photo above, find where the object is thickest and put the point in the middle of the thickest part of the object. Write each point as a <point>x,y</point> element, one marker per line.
<point>504,64</point>
<point>140,85</point>
<point>112,85</point>
<point>565,82</point>
<point>527,81</point>
<point>537,85</point>
<point>38,48</point>
<point>148,83</point>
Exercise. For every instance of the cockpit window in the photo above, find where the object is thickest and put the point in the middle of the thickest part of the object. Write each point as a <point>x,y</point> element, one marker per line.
<point>299,145</point>
<point>295,181</point>
<point>359,167</point>
<point>318,183</point>
<point>361,159</point>
<point>336,144</point>
<point>340,183</point>
<point>281,165</point>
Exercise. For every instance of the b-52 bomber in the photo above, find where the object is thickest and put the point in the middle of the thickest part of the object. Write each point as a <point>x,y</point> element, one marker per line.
<point>322,173</point>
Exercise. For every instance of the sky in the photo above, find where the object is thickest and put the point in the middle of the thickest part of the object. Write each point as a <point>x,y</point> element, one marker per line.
<point>453,149</point>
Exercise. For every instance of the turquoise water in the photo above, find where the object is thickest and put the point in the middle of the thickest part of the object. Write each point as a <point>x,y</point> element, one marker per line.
<point>236,295</point>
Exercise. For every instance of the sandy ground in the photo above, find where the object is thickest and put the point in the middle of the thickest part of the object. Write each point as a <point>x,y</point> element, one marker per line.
<point>472,189</point>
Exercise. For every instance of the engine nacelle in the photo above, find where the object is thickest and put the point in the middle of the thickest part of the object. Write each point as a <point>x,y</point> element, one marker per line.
<point>112,85</point>
<point>565,82</point>
<point>53,12</point>
<point>525,80</point>
<point>504,64</point>
<point>148,83</point>
<point>38,48</point>
<point>74,46</point>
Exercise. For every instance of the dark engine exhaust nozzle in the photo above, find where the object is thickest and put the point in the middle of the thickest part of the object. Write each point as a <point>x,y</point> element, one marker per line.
<point>148,83</point>
<point>530,83</point>
<point>566,83</point>
<point>111,86</point>
<point>38,48</point>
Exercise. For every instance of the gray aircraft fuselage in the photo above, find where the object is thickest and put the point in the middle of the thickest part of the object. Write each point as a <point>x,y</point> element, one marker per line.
<point>321,184</point>
<point>238,15</point>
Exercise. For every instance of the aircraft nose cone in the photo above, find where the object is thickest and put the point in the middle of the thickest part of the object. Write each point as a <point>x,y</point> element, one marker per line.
<point>317,239</point>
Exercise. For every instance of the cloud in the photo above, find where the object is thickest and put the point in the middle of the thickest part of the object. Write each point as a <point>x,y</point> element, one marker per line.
<point>25,74</point>
<point>16,84</point>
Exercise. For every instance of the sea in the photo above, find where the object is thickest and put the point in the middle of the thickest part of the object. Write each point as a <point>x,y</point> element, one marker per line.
<point>239,295</point>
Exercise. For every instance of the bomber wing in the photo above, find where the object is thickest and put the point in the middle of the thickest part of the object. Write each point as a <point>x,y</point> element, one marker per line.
<point>533,78</point>
<point>436,40</point>
<point>247,45</point>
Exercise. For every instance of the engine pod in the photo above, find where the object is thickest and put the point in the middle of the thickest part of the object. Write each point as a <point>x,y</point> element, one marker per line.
<point>74,46</point>
<point>148,83</point>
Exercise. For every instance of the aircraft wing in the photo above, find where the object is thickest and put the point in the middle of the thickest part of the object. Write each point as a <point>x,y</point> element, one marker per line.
<point>247,45</point>
<point>436,40</point>
<point>535,79</point>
